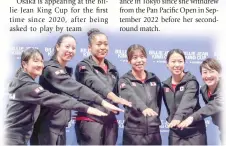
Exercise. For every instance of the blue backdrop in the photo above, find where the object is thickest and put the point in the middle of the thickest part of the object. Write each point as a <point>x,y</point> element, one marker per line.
<point>196,49</point>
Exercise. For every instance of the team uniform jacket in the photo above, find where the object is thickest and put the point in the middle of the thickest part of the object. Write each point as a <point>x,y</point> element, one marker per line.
<point>213,105</point>
<point>94,77</point>
<point>183,102</point>
<point>57,79</point>
<point>142,95</point>
<point>23,106</point>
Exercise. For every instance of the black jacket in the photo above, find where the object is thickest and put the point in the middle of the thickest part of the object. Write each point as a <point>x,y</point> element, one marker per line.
<point>213,107</point>
<point>183,102</point>
<point>142,95</point>
<point>94,77</point>
<point>25,98</point>
<point>57,79</point>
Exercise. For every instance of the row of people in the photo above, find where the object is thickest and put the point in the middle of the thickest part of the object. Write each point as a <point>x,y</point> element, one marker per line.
<point>95,95</point>
<point>180,93</point>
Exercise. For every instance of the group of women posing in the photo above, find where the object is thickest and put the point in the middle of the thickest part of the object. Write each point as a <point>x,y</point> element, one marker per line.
<point>39,113</point>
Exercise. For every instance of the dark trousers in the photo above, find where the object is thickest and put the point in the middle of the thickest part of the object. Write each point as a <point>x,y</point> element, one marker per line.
<point>198,139</point>
<point>141,139</point>
<point>34,137</point>
<point>93,133</point>
<point>47,137</point>
<point>50,138</point>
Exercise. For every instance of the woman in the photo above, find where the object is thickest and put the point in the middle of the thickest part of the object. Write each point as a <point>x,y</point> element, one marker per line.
<point>181,98</point>
<point>56,78</point>
<point>26,96</point>
<point>101,76</point>
<point>210,70</point>
<point>143,89</point>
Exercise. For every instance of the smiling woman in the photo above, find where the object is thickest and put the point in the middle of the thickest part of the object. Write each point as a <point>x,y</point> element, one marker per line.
<point>34,66</point>
<point>143,89</point>
<point>32,62</point>
<point>210,70</point>
<point>97,73</point>
<point>181,98</point>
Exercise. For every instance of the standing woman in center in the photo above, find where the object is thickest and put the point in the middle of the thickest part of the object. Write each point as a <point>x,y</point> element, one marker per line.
<point>181,98</point>
<point>101,76</point>
<point>143,89</point>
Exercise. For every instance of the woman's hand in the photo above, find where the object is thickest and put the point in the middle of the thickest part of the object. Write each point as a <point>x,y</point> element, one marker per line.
<point>111,107</point>
<point>149,112</point>
<point>173,123</point>
<point>185,123</point>
<point>96,112</point>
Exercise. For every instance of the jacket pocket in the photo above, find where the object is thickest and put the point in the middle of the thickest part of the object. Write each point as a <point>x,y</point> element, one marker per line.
<point>135,119</point>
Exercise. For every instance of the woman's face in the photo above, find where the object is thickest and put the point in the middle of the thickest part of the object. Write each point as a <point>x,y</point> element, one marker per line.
<point>210,76</point>
<point>176,64</point>
<point>99,46</point>
<point>138,61</point>
<point>34,66</point>
<point>66,50</point>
